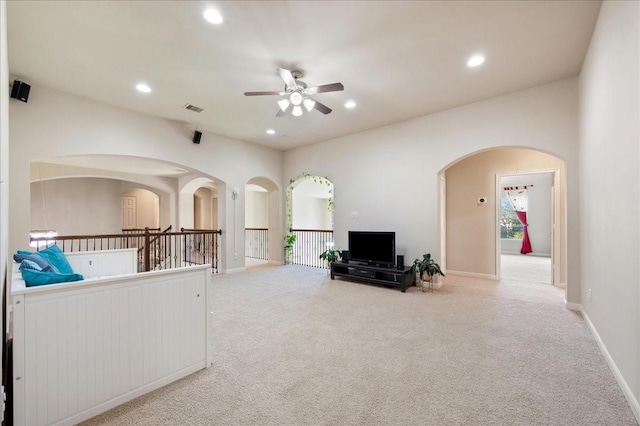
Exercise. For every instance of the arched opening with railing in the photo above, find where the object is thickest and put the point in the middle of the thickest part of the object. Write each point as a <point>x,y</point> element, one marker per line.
<point>309,204</point>
<point>82,209</point>
<point>261,216</point>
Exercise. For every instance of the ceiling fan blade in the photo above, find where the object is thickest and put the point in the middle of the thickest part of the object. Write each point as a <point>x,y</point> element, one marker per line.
<point>333,87</point>
<point>321,107</point>
<point>286,75</point>
<point>264,93</point>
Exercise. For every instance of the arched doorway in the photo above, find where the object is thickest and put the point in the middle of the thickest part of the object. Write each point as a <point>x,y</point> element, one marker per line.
<point>262,213</point>
<point>310,218</point>
<point>469,210</point>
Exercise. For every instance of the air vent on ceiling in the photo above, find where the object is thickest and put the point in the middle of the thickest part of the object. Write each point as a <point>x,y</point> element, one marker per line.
<point>192,108</point>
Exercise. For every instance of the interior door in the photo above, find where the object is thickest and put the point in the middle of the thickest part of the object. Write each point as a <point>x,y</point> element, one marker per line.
<point>129,212</point>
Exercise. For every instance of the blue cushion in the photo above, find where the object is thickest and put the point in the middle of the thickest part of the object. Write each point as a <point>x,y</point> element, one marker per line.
<point>30,264</point>
<point>33,277</point>
<point>34,261</point>
<point>55,256</point>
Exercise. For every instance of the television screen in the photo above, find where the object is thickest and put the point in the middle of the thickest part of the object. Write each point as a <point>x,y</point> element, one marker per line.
<point>373,247</point>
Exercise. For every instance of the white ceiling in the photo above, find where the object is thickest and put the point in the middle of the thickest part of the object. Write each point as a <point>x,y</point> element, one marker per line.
<point>398,60</point>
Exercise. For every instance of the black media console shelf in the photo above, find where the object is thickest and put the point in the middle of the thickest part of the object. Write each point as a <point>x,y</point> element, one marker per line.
<point>385,275</point>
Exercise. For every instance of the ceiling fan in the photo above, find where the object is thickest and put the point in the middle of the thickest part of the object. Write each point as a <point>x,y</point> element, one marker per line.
<point>298,94</point>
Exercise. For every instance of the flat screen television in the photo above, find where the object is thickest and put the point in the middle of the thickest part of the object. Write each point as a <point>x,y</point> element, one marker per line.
<point>374,248</point>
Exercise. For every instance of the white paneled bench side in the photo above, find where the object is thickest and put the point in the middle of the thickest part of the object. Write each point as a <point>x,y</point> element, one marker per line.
<point>84,347</point>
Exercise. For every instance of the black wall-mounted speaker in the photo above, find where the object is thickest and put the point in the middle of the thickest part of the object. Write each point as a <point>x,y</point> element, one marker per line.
<point>344,255</point>
<point>196,136</point>
<point>400,260</point>
<point>20,90</point>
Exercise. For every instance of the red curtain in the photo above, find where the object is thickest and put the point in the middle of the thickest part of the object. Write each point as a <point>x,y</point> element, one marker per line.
<point>526,244</point>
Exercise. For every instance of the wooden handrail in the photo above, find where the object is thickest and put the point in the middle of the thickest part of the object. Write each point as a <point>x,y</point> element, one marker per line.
<point>166,231</point>
<point>150,245</point>
<point>310,230</point>
<point>256,229</point>
<point>205,231</point>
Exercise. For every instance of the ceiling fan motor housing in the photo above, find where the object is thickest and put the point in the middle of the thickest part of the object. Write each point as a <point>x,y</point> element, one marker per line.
<point>300,85</point>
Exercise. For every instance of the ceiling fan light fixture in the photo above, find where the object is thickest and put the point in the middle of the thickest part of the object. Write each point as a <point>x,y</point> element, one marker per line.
<point>297,111</point>
<point>283,104</point>
<point>309,104</point>
<point>295,98</point>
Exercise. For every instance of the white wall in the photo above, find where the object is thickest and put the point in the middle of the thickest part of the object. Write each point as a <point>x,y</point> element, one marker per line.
<point>203,209</point>
<point>390,175</point>
<point>4,158</point>
<point>310,212</point>
<point>76,206</point>
<point>256,209</point>
<point>55,124</point>
<point>610,187</point>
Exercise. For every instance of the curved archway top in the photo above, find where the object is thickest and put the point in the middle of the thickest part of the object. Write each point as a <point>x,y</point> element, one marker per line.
<point>46,171</point>
<point>135,186</point>
<point>502,148</point>
<point>263,182</point>
<point>121,163</point>
<point>189,185</point>
<point>304,177</point>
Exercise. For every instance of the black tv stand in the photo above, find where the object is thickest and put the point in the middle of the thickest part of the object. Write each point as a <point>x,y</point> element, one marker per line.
<point>391,276</point>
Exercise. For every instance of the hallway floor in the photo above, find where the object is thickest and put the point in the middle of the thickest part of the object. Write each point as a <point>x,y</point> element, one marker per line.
<point>526,268</point>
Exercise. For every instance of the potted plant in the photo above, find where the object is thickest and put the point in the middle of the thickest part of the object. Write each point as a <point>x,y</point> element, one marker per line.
<point>427,269</point>
<point>289,240</point>
<point>330,256</point>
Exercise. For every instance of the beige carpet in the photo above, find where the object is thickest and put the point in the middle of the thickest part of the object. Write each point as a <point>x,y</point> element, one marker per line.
<point>536,269</point>
<point>295,348</point>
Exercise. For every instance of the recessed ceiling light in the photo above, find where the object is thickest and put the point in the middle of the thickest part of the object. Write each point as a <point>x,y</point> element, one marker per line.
<point>350,104</point>
<point>142,87</point>
<point>213,16</point>
<point>475,60</point>
<point>271,132</point>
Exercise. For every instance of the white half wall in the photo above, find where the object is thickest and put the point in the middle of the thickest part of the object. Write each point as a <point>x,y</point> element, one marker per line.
<point>610,187</point>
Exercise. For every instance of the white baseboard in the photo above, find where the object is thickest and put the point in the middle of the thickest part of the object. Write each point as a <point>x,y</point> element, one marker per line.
<point>626,390</point>
<point>572,306</point>
<point>472,275</point>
